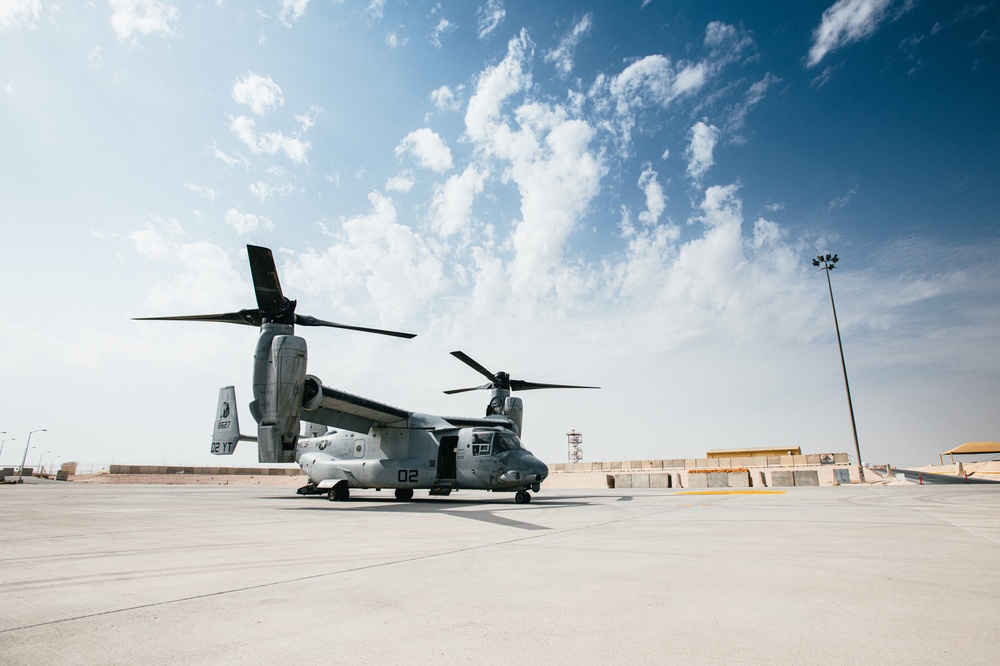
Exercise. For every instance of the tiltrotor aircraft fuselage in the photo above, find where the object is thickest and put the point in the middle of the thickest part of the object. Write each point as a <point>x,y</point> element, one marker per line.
<point>353,442</point>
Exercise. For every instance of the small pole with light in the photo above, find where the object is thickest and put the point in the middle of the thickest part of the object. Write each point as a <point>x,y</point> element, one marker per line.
<point>828,263</point>
<point>9,439</point>
<point>20,470</point>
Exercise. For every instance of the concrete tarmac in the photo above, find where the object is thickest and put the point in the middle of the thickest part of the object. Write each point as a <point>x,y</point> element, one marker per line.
<point>257,575</point>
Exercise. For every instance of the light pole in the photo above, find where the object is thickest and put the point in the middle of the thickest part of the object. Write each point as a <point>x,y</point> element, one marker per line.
<point>9,439</point>
<point>20,470</point>
<point>38,468</point>
<point>828,263</point>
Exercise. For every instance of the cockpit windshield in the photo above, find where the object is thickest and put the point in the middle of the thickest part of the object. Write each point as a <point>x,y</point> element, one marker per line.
<point>504,441</point>
<point>486,442</point>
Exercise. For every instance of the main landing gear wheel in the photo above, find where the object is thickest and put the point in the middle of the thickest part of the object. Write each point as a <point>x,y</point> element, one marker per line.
<point>339,494</point>
<point>404,494</point>
<point>522,497</point>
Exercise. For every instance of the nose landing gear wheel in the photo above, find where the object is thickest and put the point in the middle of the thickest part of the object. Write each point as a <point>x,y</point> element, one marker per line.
<point>339,494</point>
<point>522,497</point>
<point>404,494</point>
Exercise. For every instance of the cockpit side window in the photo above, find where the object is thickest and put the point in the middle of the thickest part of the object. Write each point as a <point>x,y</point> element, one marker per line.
<point>482,442</point>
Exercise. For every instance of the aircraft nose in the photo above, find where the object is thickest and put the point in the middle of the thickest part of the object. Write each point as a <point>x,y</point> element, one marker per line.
<point>534,466</point>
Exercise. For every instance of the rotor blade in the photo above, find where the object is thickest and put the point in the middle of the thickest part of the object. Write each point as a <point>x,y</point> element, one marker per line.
<point>245,317</point>
<point>466,359</point>
<point>471,388</point>
<point>521,385</point>
<point>306,320</point>
<point>265,279</point>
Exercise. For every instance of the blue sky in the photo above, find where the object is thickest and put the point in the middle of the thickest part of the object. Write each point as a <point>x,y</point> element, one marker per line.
<point>617,193</point>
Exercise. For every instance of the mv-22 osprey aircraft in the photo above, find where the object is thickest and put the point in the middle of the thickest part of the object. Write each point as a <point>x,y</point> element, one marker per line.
<point>353,442</point>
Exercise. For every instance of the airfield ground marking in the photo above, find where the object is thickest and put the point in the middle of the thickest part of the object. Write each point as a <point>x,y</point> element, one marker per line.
<point>731,492</point>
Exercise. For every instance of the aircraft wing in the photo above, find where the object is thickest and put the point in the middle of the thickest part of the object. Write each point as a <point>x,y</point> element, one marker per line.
<point>339,409</point>
<point>486,422</point>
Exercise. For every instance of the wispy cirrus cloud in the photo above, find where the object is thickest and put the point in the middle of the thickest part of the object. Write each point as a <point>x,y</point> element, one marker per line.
<point>562,55</point>
<point>489,17</point>
<point>845,22</point>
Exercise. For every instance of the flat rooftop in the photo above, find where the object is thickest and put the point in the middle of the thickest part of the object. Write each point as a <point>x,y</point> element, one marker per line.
<point>228,574</point>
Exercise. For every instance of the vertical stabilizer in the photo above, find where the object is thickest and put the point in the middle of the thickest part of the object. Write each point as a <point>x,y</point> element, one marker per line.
<point>226,434</point>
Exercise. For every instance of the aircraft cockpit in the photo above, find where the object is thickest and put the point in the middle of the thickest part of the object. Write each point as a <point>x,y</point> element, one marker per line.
<point>493,442</point>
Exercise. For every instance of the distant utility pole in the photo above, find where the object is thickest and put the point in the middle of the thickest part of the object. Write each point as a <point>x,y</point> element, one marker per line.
<point>827,263</point>
<point>20,471</point>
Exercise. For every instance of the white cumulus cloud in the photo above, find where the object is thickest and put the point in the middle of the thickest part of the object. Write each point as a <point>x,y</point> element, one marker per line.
<point>427,148</point>
<point>19,14</point>
<point>269,143</point>
<point>260,93</point>
<point>700,149</point>
<point>246,223</point>
<point>292,10</point>
<point>130,18</point>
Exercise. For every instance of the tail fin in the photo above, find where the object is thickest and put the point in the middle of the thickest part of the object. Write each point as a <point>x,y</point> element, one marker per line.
<point>227,424</point>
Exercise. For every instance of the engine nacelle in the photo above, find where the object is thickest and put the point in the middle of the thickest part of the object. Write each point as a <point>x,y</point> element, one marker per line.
<point>312,393</point>
<point>279,383</point>
<point>514,409</point>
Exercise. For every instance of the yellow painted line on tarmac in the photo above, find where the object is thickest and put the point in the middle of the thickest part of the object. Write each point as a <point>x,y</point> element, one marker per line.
<point>731,492</point>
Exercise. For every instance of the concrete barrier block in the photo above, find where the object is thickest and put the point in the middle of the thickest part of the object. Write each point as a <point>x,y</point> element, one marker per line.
<point>697,480</point>
<point>739,479</point>
<point>583,467</point>
<point>616,464</point>
<point>782,479</point>
<point>659,480</point>
<point>840,458</point>
<point>708,462</point>
<point>690,463</point>
<point>655,464</point>
<point>773,461</point>
<point>786,461</point>
<point>674,463</point>
<point>800,461</point>
<point>559,467</point>
<point>758,461</point>
<point>717,479</point>
<point>640,480</point>
<point>806,477</point>
<point>812,459</point>
<point>623,480</point>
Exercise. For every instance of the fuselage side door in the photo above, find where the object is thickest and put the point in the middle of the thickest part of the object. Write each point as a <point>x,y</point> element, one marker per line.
<point>447,451</point>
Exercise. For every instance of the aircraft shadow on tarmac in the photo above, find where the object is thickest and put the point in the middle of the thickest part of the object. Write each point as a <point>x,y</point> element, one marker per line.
<point>436,506</point>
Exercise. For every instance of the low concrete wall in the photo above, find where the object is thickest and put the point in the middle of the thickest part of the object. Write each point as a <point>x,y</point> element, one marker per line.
<point>761,477</point>
<point>213,471</point>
